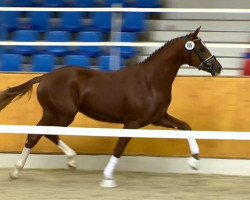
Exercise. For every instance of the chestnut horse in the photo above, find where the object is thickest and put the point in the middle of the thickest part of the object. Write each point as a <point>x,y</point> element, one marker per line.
<point>135,96</point>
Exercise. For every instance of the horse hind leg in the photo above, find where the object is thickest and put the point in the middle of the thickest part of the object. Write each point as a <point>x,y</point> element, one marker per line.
<point>63,120</point>
<point>30,143</point>
<point>32,140</point>
<point>70,153</point>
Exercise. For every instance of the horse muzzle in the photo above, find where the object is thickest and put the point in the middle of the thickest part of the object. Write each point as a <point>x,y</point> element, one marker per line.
<point>211,65</point>
<point>216,70</point>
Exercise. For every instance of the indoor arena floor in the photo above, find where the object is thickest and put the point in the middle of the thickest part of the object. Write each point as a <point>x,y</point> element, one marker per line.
<point>79,185</point>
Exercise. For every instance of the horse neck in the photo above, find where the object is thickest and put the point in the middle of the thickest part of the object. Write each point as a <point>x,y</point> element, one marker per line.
<point>162,68</point>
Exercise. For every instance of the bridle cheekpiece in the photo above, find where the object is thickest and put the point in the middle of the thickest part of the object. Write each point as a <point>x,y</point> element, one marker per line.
<point>206,63</point>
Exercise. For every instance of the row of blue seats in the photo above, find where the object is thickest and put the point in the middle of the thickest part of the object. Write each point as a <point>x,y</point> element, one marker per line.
<point>63,36</point>
<point>48,63</point>
<point>83,3</point>
<point>74,21</point>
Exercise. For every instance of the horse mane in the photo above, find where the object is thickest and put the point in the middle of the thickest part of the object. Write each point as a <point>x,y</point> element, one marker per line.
<point>163,47</point>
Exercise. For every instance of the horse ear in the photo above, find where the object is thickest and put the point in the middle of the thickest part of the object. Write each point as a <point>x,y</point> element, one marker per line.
<point>196,31</point>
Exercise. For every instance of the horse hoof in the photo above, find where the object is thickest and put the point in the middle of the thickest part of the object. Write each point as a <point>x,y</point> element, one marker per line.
<point>72,163</point>
<point>71,167</point>
<point>13,176</point>
<point>108,183</point>
<point>193,163</point>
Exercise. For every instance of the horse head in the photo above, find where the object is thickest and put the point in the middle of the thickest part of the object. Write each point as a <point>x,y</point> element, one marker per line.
<point>200,56</point>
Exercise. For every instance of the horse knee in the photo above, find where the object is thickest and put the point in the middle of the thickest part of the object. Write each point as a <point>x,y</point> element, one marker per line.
<point>32,140</point>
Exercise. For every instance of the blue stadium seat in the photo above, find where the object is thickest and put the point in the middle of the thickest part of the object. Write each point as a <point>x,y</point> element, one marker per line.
<point>72,21</point>
<point>43,63</point>
<point>11,62</point>
<point>148,3</point>
<point>101,21</point>
<point>77,61</point>
<point>40,21</point>
<point>90,36</point>
<point>134,22</point>
<point>22,3</point>
<point>11,20</point>
<point>84,3</point>
<point>58,36</point>
<point>109,3</point>
<point>128,52</point>
<point>25,36</point>
<point>53,3</point>
<point>104,63</point>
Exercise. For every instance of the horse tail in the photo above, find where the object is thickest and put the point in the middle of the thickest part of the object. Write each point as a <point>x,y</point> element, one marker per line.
<point>8,95</point>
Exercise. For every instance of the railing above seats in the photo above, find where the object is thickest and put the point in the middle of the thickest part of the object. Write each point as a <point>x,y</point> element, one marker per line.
<point>213,42</point>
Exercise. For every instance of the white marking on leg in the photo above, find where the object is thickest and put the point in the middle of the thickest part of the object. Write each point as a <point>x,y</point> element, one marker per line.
<point>193,163</point>
<point>110,168</point>
<point>69,152</point>
<point>108,173</point>
<point>20,163</point>
<point>194,148</point>
<point>66,149</point>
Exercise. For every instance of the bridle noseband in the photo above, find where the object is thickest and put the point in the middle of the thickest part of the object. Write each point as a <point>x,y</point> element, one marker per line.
<point>206,63</point>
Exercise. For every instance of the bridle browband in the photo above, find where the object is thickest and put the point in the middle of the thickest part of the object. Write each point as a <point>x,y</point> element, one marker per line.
<point>206,63</point>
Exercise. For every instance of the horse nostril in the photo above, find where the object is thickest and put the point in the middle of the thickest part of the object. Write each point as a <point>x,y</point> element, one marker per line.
<point>218,71</point>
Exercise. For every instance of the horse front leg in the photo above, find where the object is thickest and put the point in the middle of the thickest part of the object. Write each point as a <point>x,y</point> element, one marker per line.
<point>169,121</point>
<point>109,170</point>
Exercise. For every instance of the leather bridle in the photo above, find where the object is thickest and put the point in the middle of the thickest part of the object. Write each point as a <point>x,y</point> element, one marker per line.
<point>206,64</point>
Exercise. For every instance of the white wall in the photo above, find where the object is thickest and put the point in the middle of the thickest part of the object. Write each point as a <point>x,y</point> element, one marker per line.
<point>216,28</point>
<point>207,4</point>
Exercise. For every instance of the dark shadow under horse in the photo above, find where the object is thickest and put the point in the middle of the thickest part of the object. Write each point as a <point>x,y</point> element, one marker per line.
<point>135,96</point>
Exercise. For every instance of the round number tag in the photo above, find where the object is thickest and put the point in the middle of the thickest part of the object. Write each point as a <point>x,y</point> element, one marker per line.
<point>189,45</point>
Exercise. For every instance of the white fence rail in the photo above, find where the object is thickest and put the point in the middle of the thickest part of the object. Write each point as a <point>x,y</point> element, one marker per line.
<point>134,133</point>
<point>109,44</point>
<point>155,10</point>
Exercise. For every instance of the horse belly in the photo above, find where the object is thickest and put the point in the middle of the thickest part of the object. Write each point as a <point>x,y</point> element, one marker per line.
<point>100,107</point>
